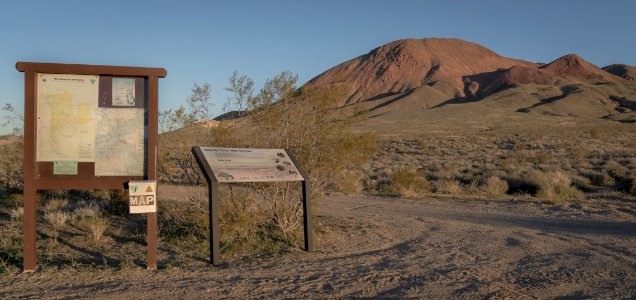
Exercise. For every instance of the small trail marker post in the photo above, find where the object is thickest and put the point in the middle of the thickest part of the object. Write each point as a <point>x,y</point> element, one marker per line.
<point>234,165</point>
<point>87,127</point>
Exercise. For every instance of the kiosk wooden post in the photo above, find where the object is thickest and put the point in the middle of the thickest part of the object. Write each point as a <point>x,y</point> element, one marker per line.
<point>40,175</point>
<point>235,166</point>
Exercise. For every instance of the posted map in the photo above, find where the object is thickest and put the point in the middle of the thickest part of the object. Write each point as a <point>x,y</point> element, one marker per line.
<point>120,142</point>
<point>66,106</point>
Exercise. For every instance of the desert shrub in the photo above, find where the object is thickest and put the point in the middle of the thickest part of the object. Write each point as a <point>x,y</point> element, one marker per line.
<point>55,204</point>
<point>408,183</point>
<point>599,179</point>
<point>302,120</point>
<point>11,165</point>
<point>350,181</point>
<point>86,211</point>
<point>627,185</point>
<point>55,193</point>
<point>556,187</point>
<point>615,169</point>
<point>305,122</point>
<point>184,219</point>
<point>495,186</point>
<point>96,226</point>
<point>10,248</point>
<point>56,219</point>
<point>117,202</point>
<point>244,226</point>
<point>448,186</point>
<point>17,214</point>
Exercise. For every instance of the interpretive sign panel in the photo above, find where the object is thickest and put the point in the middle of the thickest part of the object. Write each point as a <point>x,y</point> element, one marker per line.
<point>231,165</point>
<point>251,165</point>
<point>142,196</point>
<point>88,127</point>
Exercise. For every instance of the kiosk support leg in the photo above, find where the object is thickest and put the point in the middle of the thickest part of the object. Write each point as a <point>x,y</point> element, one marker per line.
<point>215,253</point>
<point>151,240</point>
<point>29,234</point>
<point>309,237</point>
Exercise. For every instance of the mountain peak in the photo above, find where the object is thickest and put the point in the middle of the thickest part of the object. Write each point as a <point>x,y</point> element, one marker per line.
<point>572,65</point>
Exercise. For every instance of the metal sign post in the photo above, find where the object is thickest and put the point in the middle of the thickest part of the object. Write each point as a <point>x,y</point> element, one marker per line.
<point>90,99</point>
<point>233,165</point>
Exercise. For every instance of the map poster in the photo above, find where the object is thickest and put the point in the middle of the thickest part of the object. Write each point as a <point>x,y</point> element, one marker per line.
<point>250,165</point>
<point>123,92</point>
<point>66,107</point>
<point>120,142</point>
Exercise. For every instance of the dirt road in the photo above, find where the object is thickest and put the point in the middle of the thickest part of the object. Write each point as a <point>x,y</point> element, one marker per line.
<point>397,248</point>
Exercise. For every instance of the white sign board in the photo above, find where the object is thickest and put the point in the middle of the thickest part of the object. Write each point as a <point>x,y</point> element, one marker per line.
<point>251,165</point>
<point>142,196</point>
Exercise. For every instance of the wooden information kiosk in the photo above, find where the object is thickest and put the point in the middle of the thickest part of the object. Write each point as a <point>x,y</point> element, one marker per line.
<point>87,127</point>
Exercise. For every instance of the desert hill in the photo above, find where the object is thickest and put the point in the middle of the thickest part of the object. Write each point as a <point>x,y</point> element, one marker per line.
<point>407,84</point>
<point>624,71</point>
<point>572,65</point>
<point>404,65</point>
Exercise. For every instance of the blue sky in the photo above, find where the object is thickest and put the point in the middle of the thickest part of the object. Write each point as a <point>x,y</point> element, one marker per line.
<point>204,41</point>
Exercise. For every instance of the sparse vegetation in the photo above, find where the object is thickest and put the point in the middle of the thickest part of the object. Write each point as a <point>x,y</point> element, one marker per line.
<point>549,167</point>
<point>96,226</point>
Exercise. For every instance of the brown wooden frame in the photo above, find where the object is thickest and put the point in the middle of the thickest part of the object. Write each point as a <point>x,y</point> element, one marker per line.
<point>31,181</point>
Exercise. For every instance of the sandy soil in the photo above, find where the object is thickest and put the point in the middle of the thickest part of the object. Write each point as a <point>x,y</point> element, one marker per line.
<point>397,248</point>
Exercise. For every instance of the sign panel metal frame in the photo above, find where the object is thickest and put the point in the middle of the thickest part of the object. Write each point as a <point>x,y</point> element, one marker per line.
<point>42,176</point>
<point>213,196</point>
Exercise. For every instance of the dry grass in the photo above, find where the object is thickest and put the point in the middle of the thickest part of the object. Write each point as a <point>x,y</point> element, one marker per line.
<point>57,219</point>
<point>96,227</point>
<point>525,163</point>
<point>449,186</point>
<point>55,204</point>
<point>86,211</point>
<point>495,186</point>
<point>17,214</point>
<point>556,187</point>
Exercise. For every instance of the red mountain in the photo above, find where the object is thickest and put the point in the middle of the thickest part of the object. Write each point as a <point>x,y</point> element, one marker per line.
<point>404,65</point>
<point>450,68</point>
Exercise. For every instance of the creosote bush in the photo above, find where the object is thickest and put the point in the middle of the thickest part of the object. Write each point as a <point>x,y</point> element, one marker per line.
<point>304,121</point>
